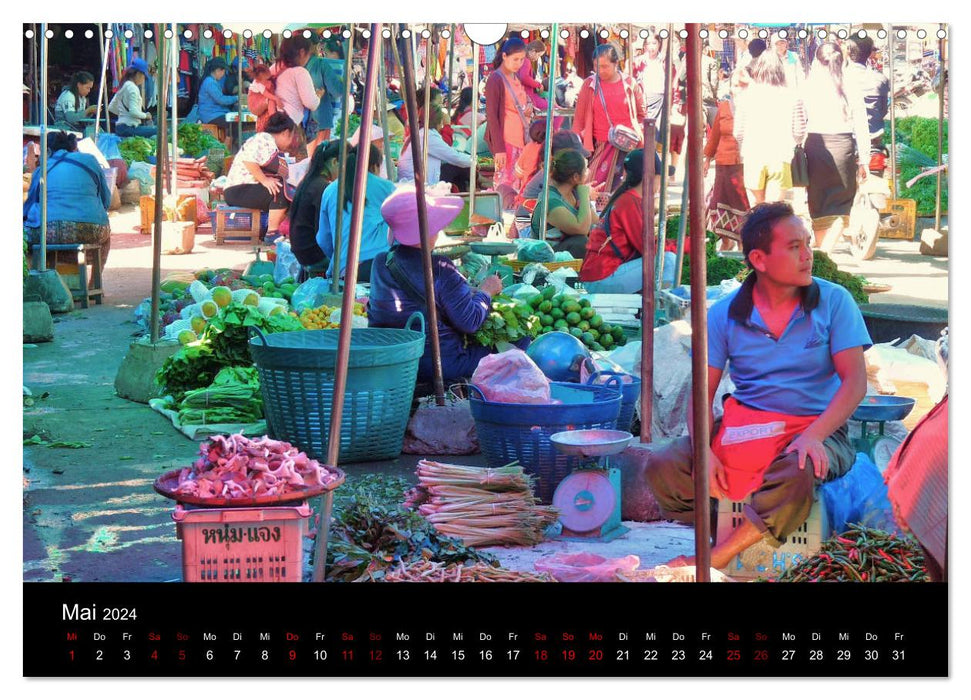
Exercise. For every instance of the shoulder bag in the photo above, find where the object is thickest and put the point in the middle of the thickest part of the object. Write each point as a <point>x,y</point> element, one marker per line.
<point>623,138</point>
<point>519,108</point>
<point>800,168</point>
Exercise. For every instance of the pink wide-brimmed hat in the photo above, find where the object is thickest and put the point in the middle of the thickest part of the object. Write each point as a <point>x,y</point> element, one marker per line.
<point>400,210</point>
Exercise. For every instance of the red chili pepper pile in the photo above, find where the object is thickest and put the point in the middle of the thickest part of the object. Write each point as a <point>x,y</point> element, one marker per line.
<point>862,554</point>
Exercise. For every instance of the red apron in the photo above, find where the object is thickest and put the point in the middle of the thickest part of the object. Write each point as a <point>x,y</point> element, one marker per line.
<point>749,440</point>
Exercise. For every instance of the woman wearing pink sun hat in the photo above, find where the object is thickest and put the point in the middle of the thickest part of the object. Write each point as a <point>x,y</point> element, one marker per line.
<point>398,285</point>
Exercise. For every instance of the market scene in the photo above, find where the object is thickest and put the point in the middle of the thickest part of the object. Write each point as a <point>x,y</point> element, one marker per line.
<point>599,303</point>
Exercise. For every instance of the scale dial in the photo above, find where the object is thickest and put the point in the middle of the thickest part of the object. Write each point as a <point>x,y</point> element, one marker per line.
<point>585,500</point>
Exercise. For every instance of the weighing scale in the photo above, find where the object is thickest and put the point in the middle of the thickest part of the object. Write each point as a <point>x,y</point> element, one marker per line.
<point>880,409</point>
<point>259,267</point>
<point>589,498</point>
<point>496,249</point>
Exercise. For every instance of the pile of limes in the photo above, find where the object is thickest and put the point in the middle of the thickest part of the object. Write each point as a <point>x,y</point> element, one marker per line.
<point>569,314</point>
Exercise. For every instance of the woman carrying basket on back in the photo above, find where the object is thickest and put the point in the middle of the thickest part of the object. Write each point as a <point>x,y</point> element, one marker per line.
<point>609,113</point>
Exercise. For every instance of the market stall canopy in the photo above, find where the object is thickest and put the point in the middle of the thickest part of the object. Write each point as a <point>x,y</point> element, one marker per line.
<point>259,27</point>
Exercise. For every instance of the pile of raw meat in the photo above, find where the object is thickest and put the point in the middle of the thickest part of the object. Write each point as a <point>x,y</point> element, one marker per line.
<point>233,466</point>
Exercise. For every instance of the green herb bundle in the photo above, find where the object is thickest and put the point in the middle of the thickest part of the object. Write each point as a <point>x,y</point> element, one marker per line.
<point>508,321</point>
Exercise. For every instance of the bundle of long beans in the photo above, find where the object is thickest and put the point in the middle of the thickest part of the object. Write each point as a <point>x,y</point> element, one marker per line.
<point>437,572</point>
<point>481,507</point>
<point>862,554</point>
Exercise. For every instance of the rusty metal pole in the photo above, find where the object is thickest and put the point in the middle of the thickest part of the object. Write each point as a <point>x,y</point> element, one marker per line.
<point>699,325</point>
<point>893,121</point>
<point>350,282</point>
<point>548,141</point>
<point>411,103</point>
<point>428,99</point>
<point>647,288</point>
<point>161,162</point>
<point>941,86</point>
<point>342,163</point>
<point>669,87</point>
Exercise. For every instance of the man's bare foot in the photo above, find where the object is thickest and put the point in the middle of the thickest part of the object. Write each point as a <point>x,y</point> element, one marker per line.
<point>681,561</point>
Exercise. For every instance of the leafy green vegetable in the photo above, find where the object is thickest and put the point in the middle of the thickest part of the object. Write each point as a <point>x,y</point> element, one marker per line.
<point>916,150</point>
<point>136,149</point>
<point>717,268</point>
<point>195,142</point>
<point>825,268</point>
<point>233,397</point>
<point>224,343</point>
<point>508,322</point>
<point>372,532</point>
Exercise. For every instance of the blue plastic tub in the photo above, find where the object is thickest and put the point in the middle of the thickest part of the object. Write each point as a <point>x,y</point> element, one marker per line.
<point>511,432</point>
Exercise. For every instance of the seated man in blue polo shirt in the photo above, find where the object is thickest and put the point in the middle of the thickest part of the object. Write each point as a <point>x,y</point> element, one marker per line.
<point>794,346</point>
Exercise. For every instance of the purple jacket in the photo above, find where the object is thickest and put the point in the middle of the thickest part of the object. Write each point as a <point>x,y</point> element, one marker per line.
<point>461,309</point>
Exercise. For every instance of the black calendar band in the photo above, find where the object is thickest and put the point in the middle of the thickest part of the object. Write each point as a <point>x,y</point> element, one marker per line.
<point>430,630</point>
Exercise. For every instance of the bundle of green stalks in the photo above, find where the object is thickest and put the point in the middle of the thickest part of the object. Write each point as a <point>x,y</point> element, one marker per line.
<point>480,507</point>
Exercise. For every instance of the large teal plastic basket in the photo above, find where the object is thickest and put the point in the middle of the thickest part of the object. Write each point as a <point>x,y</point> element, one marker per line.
<point>296,372</point>
<point>511,432</point>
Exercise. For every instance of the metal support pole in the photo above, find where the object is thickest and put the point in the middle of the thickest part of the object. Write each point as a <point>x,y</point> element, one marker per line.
<point>662,206</point>
<point>699,330</point>
<point>335,273</point>
<point>474,167</point>
<point>43,147</point>
<point>383,109</point>
<point>174,96</point>
<point>428,94</point>
<point>548,145</point>
<point>102,86</point>
<point>942,76</point>
<point>411,104</point>
<point>647,286</point>
<point>239,90</point>
<point>682,231</point>
<point>893,121</point>
<point>347,303</point>
<point>451,61</point>
<point>161,162</point>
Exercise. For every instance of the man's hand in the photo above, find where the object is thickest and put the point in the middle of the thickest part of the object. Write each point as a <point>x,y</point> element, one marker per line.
<point>491,285</point>
<point>718,485</point>
<point>810,447</point>
<point>862,172</point>
<point>91,110</point>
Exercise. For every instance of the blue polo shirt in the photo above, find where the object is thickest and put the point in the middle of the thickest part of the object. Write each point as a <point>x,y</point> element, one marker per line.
<point>794,374</point>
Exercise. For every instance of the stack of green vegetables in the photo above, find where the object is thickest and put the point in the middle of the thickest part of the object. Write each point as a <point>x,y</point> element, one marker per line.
<point>195,142</point>
<point>509,321</point>
<point>916,150</point>
<point>233,397</point>
<point>136,149</point>
<point>560,312</point>
<point>224,342</point>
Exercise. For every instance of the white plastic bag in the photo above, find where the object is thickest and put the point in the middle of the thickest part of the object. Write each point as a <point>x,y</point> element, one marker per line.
<point>287,264</point>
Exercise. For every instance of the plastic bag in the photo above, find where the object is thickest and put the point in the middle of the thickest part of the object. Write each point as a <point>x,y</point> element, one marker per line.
<point>560,277</point>
<point>286,264</point>
<point>521,292</point>
<point>511,377</point>
<point>310,294</point>
<point>474,267</point>
<point>533,250</point>
<point>108,145</point>
<point>141,172</point>
<point>586,567</point>
<point>859,496</point>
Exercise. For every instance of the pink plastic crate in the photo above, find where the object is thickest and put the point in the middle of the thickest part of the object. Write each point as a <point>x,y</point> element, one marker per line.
<point>242,544</point>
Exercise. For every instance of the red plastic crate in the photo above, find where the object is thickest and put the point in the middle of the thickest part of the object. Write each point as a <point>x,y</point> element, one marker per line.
<point>242,544</point>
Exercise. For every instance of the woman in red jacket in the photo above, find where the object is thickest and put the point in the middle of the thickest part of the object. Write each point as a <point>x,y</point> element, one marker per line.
<point>607,99</point>
<point>508,115</point>
<point>612,264</point>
